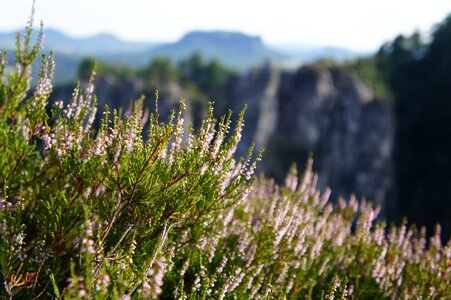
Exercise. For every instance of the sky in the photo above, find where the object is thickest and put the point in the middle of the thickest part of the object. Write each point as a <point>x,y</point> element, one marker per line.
<point>361,25</point>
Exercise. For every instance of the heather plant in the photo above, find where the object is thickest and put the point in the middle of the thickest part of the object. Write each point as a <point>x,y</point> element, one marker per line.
<point>87,212</point>
<point>290,242</point>
<point>114,213</point>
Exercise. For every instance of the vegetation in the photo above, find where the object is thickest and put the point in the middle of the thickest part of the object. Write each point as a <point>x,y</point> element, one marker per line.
<point>370,70</point>
<point>418,73</point>
<point>208,77</point>
<point>88,64</point>
<point>201,80</point>
<point>94,214</point>
<point>414,74</point>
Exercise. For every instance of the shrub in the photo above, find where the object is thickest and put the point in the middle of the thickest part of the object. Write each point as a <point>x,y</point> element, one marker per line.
<point>290,242</point>
<point>91,210</point>
<point>108,213</point>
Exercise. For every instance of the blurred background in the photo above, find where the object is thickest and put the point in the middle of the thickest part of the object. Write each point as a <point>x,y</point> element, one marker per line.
<point>362,86</point>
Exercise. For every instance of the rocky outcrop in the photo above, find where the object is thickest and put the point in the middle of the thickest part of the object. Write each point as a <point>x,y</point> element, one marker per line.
<point>333,116</point>
<point>258,90</point>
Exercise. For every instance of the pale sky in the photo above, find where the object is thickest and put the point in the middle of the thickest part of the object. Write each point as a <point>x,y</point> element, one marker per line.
<point>355,24</point>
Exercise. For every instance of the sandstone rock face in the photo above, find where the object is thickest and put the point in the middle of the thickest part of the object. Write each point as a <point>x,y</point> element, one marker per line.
<point>334,117</point>
<point>258,90</point>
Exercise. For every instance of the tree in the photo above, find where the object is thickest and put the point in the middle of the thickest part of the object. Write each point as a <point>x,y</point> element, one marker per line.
<point>160,70</point>
<point>418,75</point>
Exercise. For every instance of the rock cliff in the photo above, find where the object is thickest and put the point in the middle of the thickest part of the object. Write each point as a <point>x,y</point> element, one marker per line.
<point>326,113</point>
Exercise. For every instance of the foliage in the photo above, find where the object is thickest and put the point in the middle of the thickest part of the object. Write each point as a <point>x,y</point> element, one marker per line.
<point>106,214</point>
<point>96,205</point>
<point>88,64</point>
<point>200,80</point>
<point>418,74</point>
<point>289,242</point>
<point>210,76</point>
<point>372,73</point>
<point>160,70</point>
<point>325,63</point>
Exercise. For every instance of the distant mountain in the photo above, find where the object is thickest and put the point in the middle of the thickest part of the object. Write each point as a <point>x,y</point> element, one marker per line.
<point>233,49</point>
<point>65,70</point>
<point>100,44</point>
<point>309,54</point>
<point>70,51</point>
<point>7,40</point>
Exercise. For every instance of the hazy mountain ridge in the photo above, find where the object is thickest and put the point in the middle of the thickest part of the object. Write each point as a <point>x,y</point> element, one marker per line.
<point>309,53</point>
<point>99,44</point>
<point>233,49</point>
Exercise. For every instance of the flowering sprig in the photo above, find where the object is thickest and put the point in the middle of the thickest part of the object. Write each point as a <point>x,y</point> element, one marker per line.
<point>290,242</point>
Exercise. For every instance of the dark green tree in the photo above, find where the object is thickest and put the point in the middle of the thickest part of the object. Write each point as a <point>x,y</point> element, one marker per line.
<point>419,77</point>
<point>159,70</point>
<point>210,77</point>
